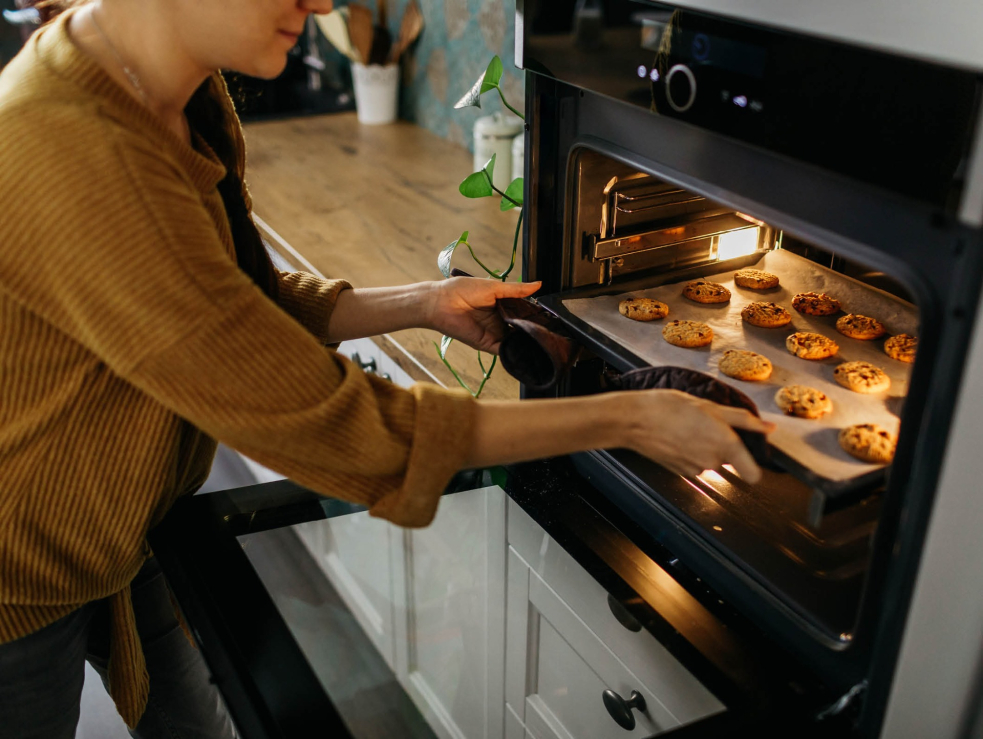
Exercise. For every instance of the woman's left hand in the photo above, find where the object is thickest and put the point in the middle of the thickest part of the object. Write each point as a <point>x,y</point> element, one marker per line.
<point>464,309</point>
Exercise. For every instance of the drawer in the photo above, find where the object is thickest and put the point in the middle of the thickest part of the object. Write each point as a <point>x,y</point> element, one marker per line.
<point>675,687</point>
<point>557,669</point>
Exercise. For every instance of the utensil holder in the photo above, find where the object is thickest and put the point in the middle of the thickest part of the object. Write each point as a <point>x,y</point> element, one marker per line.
<point>376,92</point>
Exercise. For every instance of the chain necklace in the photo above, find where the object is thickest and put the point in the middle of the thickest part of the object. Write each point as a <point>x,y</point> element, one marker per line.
<point>130,74</point>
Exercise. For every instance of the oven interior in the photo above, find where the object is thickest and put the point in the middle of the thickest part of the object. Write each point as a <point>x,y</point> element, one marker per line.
<point>805,531</point>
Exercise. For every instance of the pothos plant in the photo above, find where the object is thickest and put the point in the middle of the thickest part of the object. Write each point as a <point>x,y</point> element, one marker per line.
<point>480,185</point>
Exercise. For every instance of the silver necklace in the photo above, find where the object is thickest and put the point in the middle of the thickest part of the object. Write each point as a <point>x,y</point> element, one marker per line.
<point>130,74</point>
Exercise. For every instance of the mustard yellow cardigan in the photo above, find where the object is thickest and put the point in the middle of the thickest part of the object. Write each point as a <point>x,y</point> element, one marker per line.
<point>130,341</point>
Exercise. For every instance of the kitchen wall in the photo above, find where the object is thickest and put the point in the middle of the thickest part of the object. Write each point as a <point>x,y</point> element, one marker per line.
<point>459,39</point>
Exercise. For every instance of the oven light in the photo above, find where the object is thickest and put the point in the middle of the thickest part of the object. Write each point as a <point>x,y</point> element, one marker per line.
<point>737,243</point>
<point>730,469</point>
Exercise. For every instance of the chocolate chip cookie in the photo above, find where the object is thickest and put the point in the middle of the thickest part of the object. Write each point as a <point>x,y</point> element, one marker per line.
<point>643,309</point>
<point>803,401</point>
<point>868,442</point>
<point>766,315</point>
<point>755,279</point>
<point>902,347</point>
<point>816,304</point>
<point>860,327</point>
<point>688,334</point>
<point>808,345</point>
<point>862,377</point>
<point>745,365</point>
<point>706,292</point>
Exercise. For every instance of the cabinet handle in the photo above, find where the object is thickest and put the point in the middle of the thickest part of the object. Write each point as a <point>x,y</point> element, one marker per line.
<point>367,365</point>
<point>620,709</point>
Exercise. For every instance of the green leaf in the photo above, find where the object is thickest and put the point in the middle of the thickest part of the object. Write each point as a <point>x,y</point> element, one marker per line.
<point>447,253</point>
<point>445,343</point>
<point>488,80</point>
<point>492,75</point>
<point>513,191</point>
<point>478,185</point>
<point>473,97</point>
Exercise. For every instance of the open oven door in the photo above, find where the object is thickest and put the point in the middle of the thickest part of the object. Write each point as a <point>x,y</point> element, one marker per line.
<point>293,659</point>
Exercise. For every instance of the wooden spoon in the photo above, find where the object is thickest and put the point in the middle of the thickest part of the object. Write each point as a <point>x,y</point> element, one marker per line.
<point>409,30</point>
<point>335,28</point>
<point>360,30</point>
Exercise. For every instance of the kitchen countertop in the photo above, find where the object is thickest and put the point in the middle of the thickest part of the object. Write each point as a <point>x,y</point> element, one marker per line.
<point>375,205</point>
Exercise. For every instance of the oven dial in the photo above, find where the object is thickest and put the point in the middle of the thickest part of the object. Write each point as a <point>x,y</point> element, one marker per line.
<point>681,88</point>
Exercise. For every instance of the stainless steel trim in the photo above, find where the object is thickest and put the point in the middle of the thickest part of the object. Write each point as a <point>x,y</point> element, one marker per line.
<point>971,206</point>
<point>519,33</point>
<point>665,237</point>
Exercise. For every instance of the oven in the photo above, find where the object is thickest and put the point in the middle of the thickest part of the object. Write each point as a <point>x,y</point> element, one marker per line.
<point>667,145</point>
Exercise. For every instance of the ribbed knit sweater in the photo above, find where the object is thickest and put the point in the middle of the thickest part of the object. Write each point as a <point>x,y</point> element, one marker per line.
<point>130,341</point>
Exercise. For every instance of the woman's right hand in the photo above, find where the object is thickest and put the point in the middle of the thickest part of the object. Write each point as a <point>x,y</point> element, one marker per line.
<point>688,434</point>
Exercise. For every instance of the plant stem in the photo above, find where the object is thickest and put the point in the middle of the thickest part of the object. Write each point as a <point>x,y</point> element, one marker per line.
<point>515,245</point>
<point>492,272</point>
<point>506,103</point>
<point>457,377</point>
<point>487,374</point>
<point>491,184</point>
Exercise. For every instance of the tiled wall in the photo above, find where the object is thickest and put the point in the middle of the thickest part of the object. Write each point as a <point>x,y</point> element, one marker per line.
<point>459,39</point>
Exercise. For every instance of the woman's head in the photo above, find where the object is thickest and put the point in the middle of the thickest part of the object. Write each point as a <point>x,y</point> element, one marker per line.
<point>247,36</point>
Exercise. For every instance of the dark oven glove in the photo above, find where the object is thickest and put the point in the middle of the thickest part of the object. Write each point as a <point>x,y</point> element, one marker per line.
<point>702,386</point>
<point>534,350</point>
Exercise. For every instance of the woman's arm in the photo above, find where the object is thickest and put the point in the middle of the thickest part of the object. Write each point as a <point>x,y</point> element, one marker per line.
<point>681,432</point>
<point>461,307</point>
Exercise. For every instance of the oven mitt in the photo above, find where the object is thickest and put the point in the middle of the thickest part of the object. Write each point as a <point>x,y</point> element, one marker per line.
<point>534,351</point>
<point>702,386</point>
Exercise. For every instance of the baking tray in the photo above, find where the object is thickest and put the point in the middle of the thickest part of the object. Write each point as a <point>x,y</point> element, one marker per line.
<point>807,448</point>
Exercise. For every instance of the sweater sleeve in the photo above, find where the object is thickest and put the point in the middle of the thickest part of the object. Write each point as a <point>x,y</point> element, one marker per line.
<point>309,299</point>
<point>135,271</point>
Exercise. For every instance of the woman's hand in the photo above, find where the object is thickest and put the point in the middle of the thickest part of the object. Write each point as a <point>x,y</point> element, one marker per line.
<point>689,434</point>
<point>464,309</point>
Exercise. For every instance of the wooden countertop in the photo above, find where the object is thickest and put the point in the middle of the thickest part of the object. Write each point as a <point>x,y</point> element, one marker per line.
<point>375,205</point>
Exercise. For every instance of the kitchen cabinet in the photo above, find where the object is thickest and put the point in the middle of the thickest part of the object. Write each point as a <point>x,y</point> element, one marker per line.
<point>566,647</point>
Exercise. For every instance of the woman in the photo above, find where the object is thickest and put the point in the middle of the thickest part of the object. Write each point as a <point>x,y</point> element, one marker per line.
<point>141,318</point>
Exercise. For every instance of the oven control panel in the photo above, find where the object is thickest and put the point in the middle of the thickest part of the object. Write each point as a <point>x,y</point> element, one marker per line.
<point>891,121</point>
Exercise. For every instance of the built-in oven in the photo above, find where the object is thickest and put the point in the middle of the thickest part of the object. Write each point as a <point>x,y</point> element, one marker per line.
<point>670,146</point>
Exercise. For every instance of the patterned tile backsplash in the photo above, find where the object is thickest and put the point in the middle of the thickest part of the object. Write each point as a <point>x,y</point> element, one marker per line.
<point>459,39</point>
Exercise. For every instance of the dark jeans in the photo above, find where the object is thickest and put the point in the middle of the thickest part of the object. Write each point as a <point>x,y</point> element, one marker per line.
<point>41,674</point>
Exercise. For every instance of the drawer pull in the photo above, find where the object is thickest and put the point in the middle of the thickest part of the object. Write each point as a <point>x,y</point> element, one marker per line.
<point>622,615</point>
<point>620,709</point>
<point>368,365</point>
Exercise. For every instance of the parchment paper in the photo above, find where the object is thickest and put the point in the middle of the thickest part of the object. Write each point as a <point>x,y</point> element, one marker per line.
<point>812,443</point>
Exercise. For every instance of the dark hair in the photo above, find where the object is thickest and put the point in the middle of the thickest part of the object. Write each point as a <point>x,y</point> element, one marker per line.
<point>208,117</point>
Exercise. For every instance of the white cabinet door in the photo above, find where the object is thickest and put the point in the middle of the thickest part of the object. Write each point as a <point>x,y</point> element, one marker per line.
<point>355,552</point>
<point>450,619</point>
<point>558,669</point>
